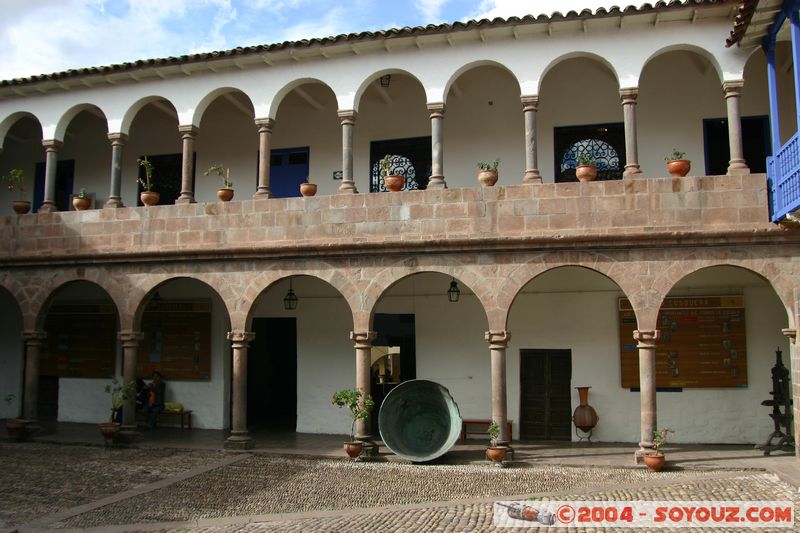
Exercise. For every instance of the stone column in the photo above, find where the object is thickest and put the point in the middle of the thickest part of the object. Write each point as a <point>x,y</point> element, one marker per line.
<point>51,147</point>
<point>436,111</point>
<point>265,126</point>
<point>188,134</point>
<point>348,120</point>
<point>130,349</point>
<point>628,97</point>
<point>239,437</point>
<point>647,388</point>
<point>118,141</point>
<point>363,345</point>
<point>498,341</point>
<point>33,345</point>
<point>793,364</point>
<point>530,107</point>
<point>733,94</point>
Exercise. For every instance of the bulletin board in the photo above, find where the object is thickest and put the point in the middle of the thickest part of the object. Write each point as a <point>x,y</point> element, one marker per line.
<point>81,341</point>
<point>177,340</point>
<point>703,343</point>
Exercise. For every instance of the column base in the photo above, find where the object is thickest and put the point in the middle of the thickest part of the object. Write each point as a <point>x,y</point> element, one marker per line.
<point>238,441</point>
<point>48,207</point>
<point>185,199</point>
<point>632,171</point>
<point>644,449</point>
<point>737,167</point>
<point>113,202</point>
<point>532,176</point>
<point>436,182</point>
<point>371,449</point>
<point>262,194</point>
<point>347,187</point>
<point>128,435</point>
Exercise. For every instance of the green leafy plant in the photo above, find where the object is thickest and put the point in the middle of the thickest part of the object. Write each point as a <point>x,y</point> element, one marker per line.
<point>494,432</point>
<point>358,404</point>
<point>81,194</point>
<point>147,183</point>
<point>661,437</point>
<point>14,180</point>
<point>483,165</point>
<point>119,393</point>
<point>386,165</point>
<point>585,160</point>
<point>675,155</point>
<point>222,172</point>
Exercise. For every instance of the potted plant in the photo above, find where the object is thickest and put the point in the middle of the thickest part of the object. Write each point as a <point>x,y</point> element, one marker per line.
<point>119,393</point>
<point>307,188</point>
<point>225,193</point>
<point>586,169</point>
<point>392,182</point>
<point>495,453</point>
<point>148,195</point>
<point>359,405</point>
<point>487,174</point>
<point>81,201</point>
<point>655,460</point>
<point>16,180</point>
<point>677,164</point>
<point>17,428</point>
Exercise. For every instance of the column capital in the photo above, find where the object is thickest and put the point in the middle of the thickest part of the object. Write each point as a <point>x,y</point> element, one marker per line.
<point>34,337</point>
<point>436,109</point>
<point>52,145</point>
<point>240,338</point>
<point>791,334</point>
<point>530,102</point>
<point>732,88</point>
<point>628,95</point>
<point>647,338</point>
<point>347,116</point>
<point>363,339</point>
<point>130,338</point>
<point>497,339</point>
<point>188,130</point>
<point>265,124</point>
<point>117,138</point>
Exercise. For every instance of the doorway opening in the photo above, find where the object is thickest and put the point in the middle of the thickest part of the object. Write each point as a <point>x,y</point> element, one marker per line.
<point>546,408</point>
<point>755,143</point>
<point>272,374</point>
<point>65,176</point>
<point>394,357</point>
<point>288,168</point>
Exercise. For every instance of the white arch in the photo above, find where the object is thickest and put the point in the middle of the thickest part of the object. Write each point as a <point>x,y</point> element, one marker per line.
<point>7,123</point>
<point>66,118</point>
<point>475,64</point>
<point>289,87</point>
<point>200,108</point>
<point>133,110</point>
<point>377,75</point>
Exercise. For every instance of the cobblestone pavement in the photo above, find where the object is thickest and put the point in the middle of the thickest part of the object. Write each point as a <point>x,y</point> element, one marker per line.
<point>204,490</point>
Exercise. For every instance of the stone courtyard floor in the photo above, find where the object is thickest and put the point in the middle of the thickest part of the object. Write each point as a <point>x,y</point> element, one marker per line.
<point>58,487</point>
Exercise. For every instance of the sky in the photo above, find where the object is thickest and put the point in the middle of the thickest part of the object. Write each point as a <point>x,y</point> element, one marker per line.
<point>46,36</point>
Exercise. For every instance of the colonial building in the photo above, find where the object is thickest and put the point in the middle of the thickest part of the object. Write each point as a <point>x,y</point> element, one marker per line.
<point>667,295</point>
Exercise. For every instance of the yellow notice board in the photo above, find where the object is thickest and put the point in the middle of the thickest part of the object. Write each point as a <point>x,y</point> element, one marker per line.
<point>177,340</point>
<point>703,343</point>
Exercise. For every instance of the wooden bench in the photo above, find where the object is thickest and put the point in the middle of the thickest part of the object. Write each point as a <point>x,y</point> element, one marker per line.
<point>185,417</point>
<point>483,426</point>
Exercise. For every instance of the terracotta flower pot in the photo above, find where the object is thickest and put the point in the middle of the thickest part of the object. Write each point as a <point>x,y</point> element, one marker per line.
<point>678,168</point>
<point>655,461</point>
<point>487,178</point>
<point>308,189</point>
<point>394,183</point>
<point>353,448</point>
<point>109,430</point>
<point>496,454</point>
<point>81,204</point>
<point>149,197</point>
<point>225,194</point>
<point>586,172</point>
<point>21,207</point>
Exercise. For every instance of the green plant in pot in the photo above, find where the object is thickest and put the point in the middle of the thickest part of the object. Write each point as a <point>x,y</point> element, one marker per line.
<point>487,172</point>
<point>495,453</point>
<point>586,170</point>
<point>677,164</point>
<point>359,405</point>
<point>225,193</point>
<point>119,393</point>
<point>81,201</point>
<point>15,181</point>
<point>655,460</point>
<point>392,182</point>
<point>148,195</point>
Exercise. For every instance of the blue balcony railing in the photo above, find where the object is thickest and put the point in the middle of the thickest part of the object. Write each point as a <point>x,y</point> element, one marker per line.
<point>783,172</point>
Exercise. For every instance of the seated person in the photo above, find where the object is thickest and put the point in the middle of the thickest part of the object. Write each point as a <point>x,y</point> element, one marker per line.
<point>155,400</point>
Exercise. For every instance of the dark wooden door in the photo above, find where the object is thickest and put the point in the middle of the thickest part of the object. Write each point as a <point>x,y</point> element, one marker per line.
<point>272,374</point>
<point>545,377</point>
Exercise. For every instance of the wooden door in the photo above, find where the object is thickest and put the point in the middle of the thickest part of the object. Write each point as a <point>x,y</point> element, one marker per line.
<point>545,410</point>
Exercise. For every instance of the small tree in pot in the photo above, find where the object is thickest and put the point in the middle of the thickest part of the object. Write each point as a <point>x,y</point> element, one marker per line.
<point>487,173</point>
<point>494,452</point>
<point>15,180</point>
<point>677,164</point>
<point>392,182</point>
<point>359,405</point>
<point>119,393</point>
<point>586,169</point>
<point>225,193</point>
<point>655,460</point>
<point>148,195</point>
